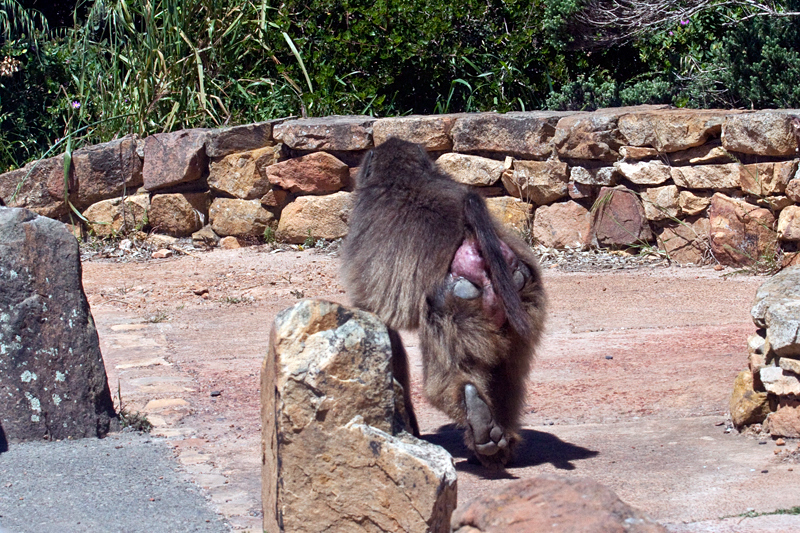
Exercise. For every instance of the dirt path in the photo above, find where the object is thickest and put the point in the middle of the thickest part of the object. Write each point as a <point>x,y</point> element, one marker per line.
<point>630,387</point>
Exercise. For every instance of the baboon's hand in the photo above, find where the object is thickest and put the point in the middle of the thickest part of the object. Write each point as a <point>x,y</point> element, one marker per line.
<point>489,437</point>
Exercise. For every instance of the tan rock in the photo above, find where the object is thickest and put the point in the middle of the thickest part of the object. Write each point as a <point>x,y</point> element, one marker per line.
<point>431,131</point>
<point>741,233</point>
<point>159,241</point>
<point>789,224</point>
<point>693,204</point>
<point>686,243</point>
<point>708,176</point>
<point>637,153</point>
<point>511,212</point>
<point>239,218</point>
<point>471,169</point>
<point>776,204</point>
<point>793,189</point>
<point>763,133</point>
<point>275,198</point>
<point>317,173</point>
<point>238,174</point>
<point>318,217</point>
<point>708,154</point>
<point>790,364</point>
<point>518,134</point>
<point>605,176</point>
<point>551,503</point>
<point>161,254</point>
<point>205,237</point>
<point>580,191</point>
<point>661,203</point>
<point>346,133</point>
<point>779,381</point>
<point>111,217</point>
<point>785,422</point>
<point>334,458</point>
<point>588,136</point>
<point>671,130</point>
<point>762,179</point>
<point>618,218</point>
<point>178,215</point>
<point>537,182</point>
<point>225,141</point>
<point>747,406</point>
<point>232,243</point>
<point>562,225</point>
<point>175,158</point>
<point>644,172</point>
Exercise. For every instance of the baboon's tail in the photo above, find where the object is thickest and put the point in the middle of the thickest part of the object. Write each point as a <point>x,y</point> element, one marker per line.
<point>480,222</point>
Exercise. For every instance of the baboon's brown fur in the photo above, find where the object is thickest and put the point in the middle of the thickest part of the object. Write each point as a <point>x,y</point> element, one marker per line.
<point>408,221</point>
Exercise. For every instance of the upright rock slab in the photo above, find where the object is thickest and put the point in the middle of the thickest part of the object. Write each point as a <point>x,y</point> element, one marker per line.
<point>52,378</point>
<point>175,158</point>
<point>741,233</point>
<point>618,219</point>
<point>334,458</point>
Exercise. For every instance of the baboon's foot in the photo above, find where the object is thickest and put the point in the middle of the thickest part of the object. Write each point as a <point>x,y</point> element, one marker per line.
<point>486,438</point>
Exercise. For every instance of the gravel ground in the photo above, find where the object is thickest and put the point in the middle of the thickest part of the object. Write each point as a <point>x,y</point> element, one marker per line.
<point>127,482</point>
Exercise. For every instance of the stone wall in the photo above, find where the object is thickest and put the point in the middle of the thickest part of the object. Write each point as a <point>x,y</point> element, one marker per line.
<point>700,185</point>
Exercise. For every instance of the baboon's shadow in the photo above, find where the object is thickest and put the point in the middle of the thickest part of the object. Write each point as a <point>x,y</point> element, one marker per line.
<point>3,440</point>
<point>536,448</point>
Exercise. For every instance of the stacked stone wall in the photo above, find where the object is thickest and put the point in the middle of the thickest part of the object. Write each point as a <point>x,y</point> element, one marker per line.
<point>698,185</point>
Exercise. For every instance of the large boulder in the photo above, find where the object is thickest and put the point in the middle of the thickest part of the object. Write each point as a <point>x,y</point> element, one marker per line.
<point>551,503</point>
<point>53,382</point>
<point>686,242</point>
<point>537,182</point>
<point>316,173</point>
<point>315,217</point>
<point>562,225</point>
<point>783,287</point>
<point>118,215</point>
<point>618,219</point>
<point>335,453</point>
<point>741,233</point>
<point>432,132</point>
<point>176,158</point>
<point>345,133</point>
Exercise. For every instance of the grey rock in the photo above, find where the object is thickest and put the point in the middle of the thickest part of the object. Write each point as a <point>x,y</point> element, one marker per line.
<point>783,286</point>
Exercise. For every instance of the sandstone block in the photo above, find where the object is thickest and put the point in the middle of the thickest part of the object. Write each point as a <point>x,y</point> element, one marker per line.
<point>232,243</point>
<point>782,287</point>
<point>761,179</point>
<point>205,237</point>
<point>239,218</point>
<point>708,176</point>
<point>792,189</point>
<point>671,130</point>
<point>711,153</point>
<point>551,503</point>
<point>693,204</point>
<point>638,153</point>
<point>686,243</point>
<point>785,422</point>
<point>762,133</point>
<point>537,182</point>
<point>789,224</point>
<point>511,212</point>
<point>317,173</point>
<point>318,217</point>
<point>741,233</point>
<point>562,225</point>
<point>644,172</point>
<point>776,204</point>
<point>334,457</point>
<point>275,198</point>
<point>239,174</point>
<point>778,381</point>
<point>783,327</point>
<point>661,203</point>
<point>346,133</point>
<point>27,187</point>
<point>52,378</point>
<point>99,172</point>
<point>519,134</point>
<point>588,136</point>
<point>225,141</point>
<point>579,191</point>
<point>792,365</point>
<point>471,169</point>
<point>618,218</point>
<point>432,132</point>
<point>112,217</point>
<point>175,158</point>
<point>178,215</point>
<point>747,406</point>
<point>605,176</point>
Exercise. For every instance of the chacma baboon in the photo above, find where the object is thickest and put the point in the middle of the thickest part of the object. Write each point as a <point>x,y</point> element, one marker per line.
<point>424,253</point>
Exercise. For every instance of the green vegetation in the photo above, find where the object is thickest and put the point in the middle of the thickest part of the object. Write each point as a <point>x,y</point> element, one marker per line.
<point>147,66</point>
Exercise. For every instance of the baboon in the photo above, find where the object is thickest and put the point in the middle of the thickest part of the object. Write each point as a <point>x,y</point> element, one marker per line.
<point>424,253</point>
